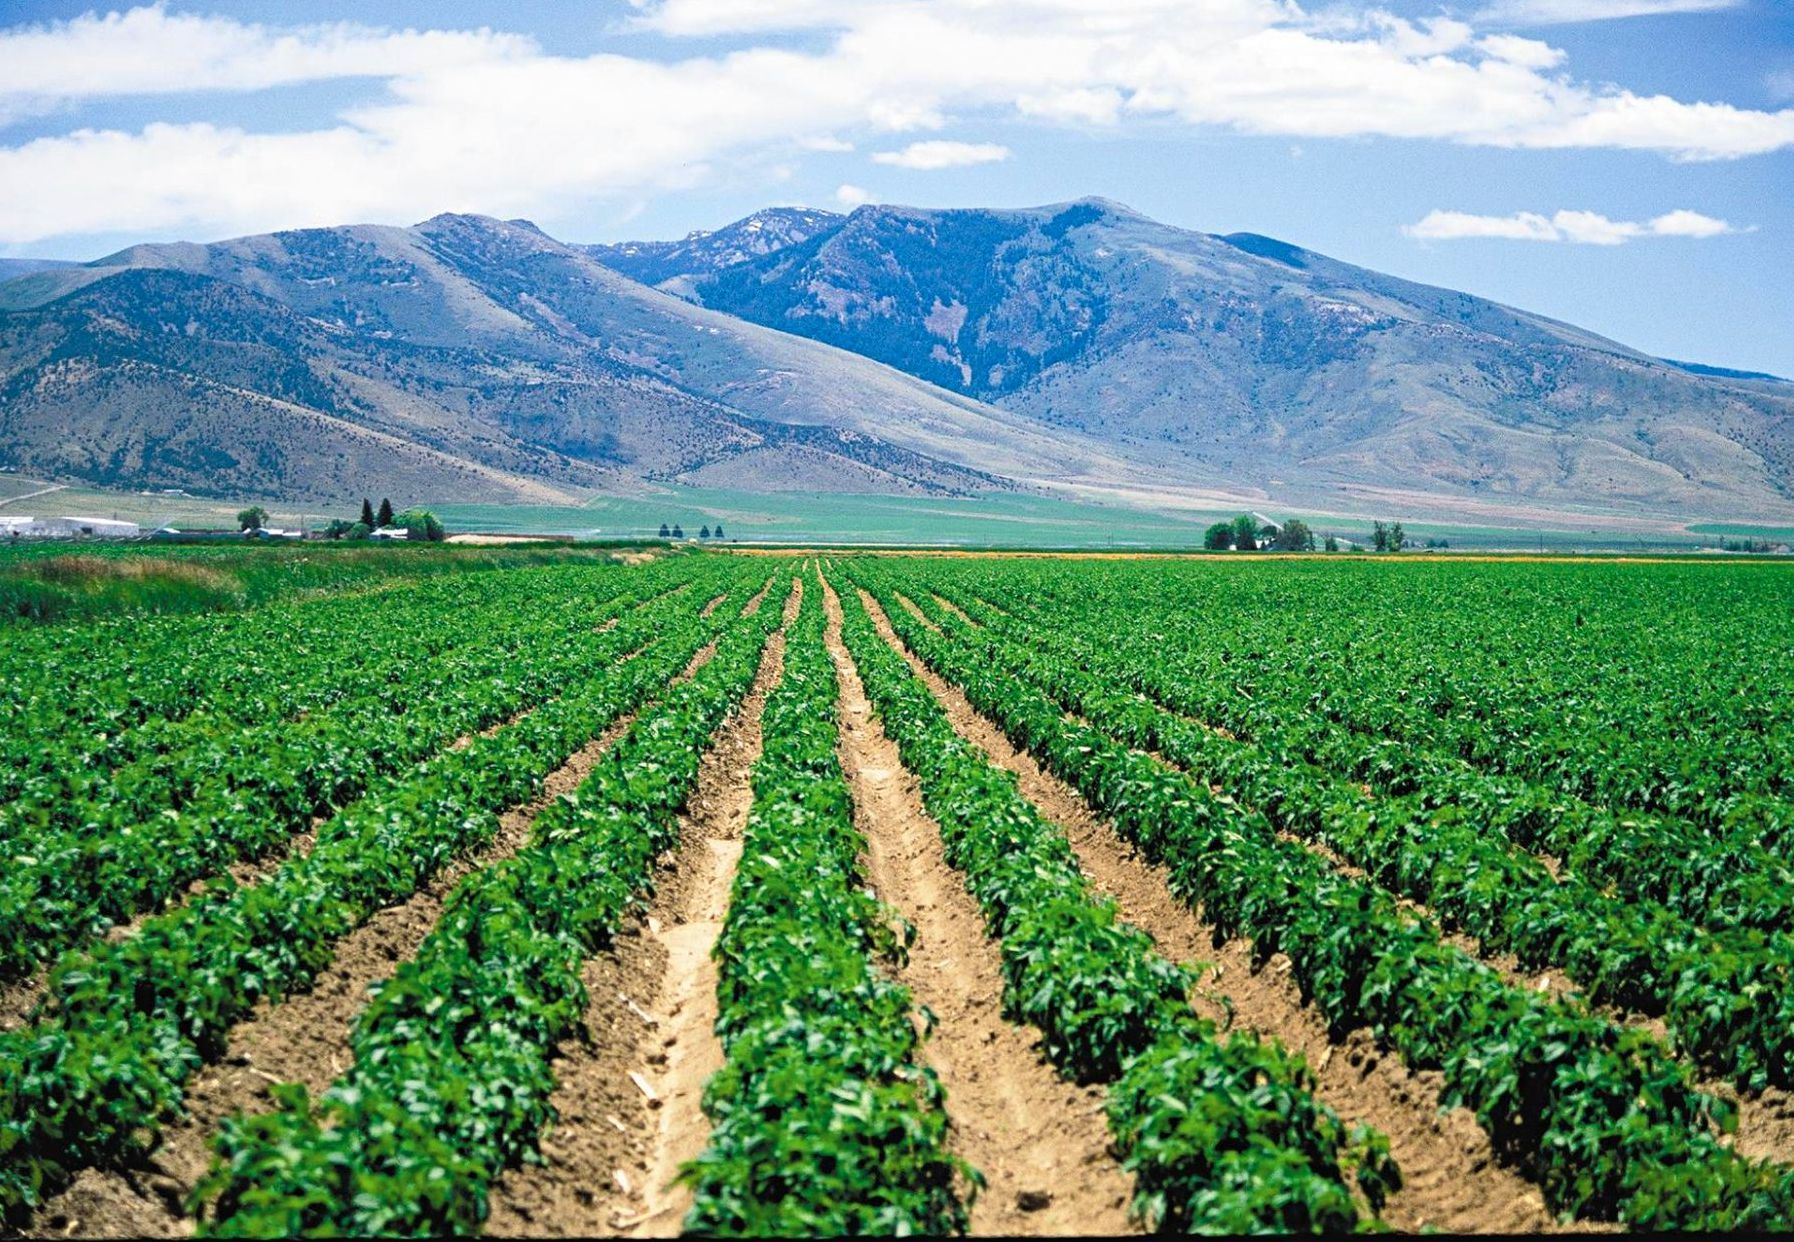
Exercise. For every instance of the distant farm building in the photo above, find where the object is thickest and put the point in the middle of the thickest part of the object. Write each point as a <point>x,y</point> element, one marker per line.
<point>69,528</point>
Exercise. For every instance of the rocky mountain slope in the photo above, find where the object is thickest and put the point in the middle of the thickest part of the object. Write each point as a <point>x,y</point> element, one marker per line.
<point>464,358</point>
<point>1245,361</point>
<point>1078,347</point>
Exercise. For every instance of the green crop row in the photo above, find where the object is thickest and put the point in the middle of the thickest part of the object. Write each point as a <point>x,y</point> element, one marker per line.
<point>1732,876</point>
<point>1727,1000</point>
<point>129,1023</point>
<point>107,695</point>
<point>140,844</point>
<point>93,780</point>
<point>1654,689</point>
<point>1223,1135</point>
<point>1608,1124</point>
<point>824,1124</point>
<point>452,1077</point>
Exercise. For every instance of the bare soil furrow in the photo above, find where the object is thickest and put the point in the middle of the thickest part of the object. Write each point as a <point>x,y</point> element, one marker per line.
<point>303,1038</point>
<point>628,1096</point>
<point>1040,1141</point>
<point>1452,1179</point>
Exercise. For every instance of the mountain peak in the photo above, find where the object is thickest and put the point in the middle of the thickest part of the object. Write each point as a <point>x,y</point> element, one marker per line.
<point>467,220</point>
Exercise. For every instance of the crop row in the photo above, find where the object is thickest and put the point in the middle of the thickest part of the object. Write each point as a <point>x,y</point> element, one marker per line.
<point>1222,1134</point>
<point>365,691</point>
<point>452,1076</point>
<point>1597,1112</point>
<point>111,693</point>
<point>237,800</point>
<point>1727,1000</point>
<point>1728,879</point>
<point>824,1123</point>
<point>1652,688</point>
<point>130,1022</point>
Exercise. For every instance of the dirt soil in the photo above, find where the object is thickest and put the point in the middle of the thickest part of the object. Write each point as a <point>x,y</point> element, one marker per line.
<point>1038,1139</point>
<point>629,1095</point>
<point>1452,1180</point>
<point>303,1039</point>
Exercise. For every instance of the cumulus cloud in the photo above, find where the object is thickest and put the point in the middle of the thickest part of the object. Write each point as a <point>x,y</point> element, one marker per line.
<point>851,196</point>
<point>150,51</point>
<point>477,120</point>
<point>1547,12</point>
<point>930,156</point>
<point>1527,53</point>
<point>1587,228</point>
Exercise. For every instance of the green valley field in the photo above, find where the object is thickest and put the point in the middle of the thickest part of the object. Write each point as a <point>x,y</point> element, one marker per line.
<point>570,890</point>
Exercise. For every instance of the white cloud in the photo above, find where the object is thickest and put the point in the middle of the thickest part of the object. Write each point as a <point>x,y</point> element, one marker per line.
<point>1587,228</point>
<point>932,156</point>
<point>1549,12</point>
<point>484,121</point>
<point>149,51</point>
<point>851,196</point>
<point>1527,53</point>
<point>1686,223</point>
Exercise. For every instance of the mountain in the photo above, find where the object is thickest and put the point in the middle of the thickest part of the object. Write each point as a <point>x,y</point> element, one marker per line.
<point>10,268</point>
<point>1080,349</point>
<point>469,358</point>
<point>1246,361</point>
<point>668,265</point>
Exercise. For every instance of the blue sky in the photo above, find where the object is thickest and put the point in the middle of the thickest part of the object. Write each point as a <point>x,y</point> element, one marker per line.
<point>1627,165</point>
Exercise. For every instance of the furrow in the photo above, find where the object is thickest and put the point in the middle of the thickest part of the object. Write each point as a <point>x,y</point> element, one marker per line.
<point>609,1162</point>
<point>1039,1140</point>
<point>1450,1177</point>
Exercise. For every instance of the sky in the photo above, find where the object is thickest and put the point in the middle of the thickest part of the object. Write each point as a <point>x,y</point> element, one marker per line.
<point>1626,165</point>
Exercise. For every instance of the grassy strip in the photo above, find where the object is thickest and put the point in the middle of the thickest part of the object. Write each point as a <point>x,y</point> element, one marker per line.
<point>134,853</point>
<point>1222,1134</point>
<point>1606,1122</point>
<point>453,1072</point>
<point>1727,1000</point>
<point>47,583</point>
<point>132,1021</point>
<point>824,1123</point>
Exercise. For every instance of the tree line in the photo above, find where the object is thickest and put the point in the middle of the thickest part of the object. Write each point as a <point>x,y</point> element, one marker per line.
<point>1246,533</point>
<point>417,523</point>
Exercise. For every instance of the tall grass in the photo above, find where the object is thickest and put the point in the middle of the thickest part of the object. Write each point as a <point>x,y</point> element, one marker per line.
<point>40,584</point>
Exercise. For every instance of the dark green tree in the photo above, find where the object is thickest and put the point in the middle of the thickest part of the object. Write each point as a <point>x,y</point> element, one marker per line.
<point>1295,536</point>
<point>1332,544</point>
<point>664,532</point>
<point>252,518</point>
<point>704,532</point>
<point>1219,537</point>
<point>718,532</point>
<point>1396,538</point>
<point>1379,536</point>
<point>678,531</point>
<point>421,524</point>
<point>1245,533</point>
<point>367,513</point>
<point>385,513</point>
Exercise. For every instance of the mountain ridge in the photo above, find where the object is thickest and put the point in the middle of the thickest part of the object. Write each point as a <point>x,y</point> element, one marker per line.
<point>1077,345</point>
<point>1252,361</point>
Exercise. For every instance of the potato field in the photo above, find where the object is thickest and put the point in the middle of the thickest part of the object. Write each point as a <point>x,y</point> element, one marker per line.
<point>823,894</point>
